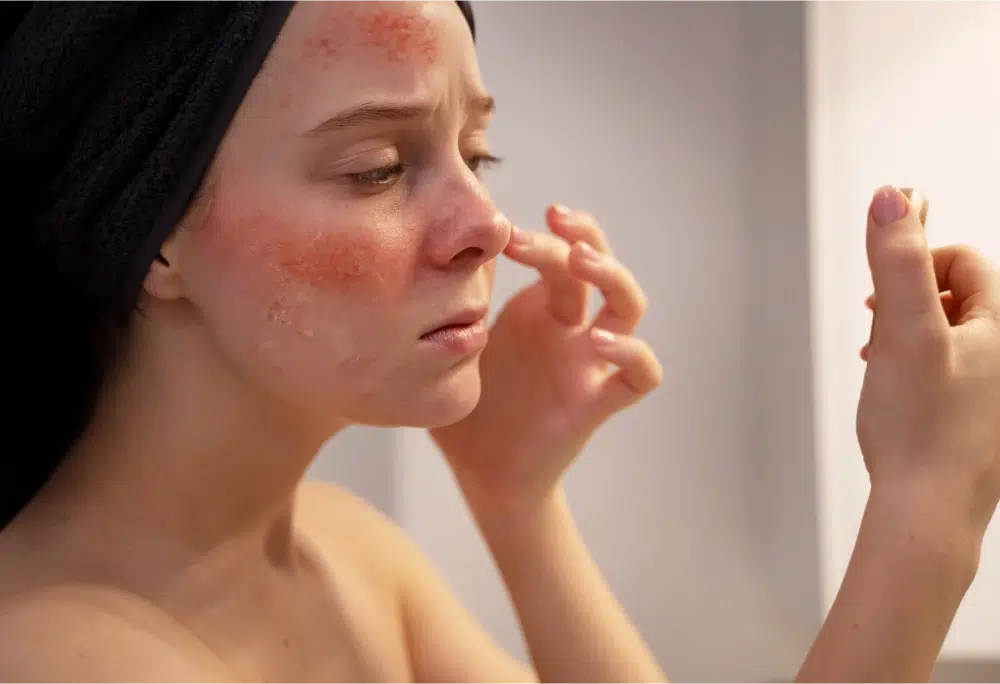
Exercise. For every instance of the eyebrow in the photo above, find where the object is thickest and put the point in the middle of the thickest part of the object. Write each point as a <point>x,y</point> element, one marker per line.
<point>373,113</point>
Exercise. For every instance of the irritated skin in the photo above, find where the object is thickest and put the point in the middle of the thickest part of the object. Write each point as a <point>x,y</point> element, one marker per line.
<point>292,302</point>
<point>402,35</point>
<point>324,251</point>
<point>178,542</point>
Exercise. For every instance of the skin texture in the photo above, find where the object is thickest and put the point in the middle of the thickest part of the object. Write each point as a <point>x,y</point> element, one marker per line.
<point>179,543</point>
<point>342,219</point>
<point>323,276</point>
<point>291,304</point>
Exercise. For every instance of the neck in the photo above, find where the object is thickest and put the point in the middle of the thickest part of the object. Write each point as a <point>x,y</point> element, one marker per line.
<point>183,457</point>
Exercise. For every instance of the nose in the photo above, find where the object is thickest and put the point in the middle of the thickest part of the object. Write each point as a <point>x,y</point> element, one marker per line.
<point>466,230</point>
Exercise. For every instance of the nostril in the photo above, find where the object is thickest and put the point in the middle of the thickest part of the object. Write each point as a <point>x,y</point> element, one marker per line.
<point>469,254</point>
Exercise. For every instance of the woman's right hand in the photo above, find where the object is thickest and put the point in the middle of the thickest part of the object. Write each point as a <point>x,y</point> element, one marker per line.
<point>929,417</point>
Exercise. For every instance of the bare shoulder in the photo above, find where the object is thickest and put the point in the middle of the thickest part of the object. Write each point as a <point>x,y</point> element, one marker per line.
<point>445,642</point>
<point>344,520</point>
<point>332,502</point>
<point>353,530</point>
<point>87,634</point>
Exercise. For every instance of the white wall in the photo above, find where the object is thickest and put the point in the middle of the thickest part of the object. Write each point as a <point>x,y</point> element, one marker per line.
<point>721,175</point>
<point>903,93</point>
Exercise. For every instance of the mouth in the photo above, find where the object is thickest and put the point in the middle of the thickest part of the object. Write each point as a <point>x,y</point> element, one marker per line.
<point>462,333</point>
<point>463,319</point>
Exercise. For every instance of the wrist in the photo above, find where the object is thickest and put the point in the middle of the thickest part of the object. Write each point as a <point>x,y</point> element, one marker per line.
<point>499,500</point>
<point>906,579</point>
<point>517,519</point>
<point>533,545</point>
<point>959,496</point>
<point>920,523</point>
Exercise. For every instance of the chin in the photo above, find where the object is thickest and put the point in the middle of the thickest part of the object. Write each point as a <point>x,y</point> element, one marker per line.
<point>450,399</point>
<point>445,400</point>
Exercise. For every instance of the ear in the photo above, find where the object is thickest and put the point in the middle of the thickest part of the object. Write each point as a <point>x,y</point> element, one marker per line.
<point>163,280</point>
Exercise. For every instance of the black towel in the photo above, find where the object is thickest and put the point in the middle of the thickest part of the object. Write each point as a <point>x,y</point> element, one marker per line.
<point>110,113</point>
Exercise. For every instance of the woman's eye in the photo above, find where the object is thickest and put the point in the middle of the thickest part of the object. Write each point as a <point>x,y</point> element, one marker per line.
<point>384,175</point>
<point>482,161</point>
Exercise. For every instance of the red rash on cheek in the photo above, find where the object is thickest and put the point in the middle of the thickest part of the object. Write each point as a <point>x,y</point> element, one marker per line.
<point>326,261</point>
<point>305,252</point>
<point>295,269</point>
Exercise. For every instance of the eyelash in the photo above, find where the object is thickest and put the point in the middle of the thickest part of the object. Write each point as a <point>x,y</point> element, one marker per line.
<point>385,175</point>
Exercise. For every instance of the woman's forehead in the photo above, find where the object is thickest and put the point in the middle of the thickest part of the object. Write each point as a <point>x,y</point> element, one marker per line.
<point>390,32</point>
<point>335,55</point>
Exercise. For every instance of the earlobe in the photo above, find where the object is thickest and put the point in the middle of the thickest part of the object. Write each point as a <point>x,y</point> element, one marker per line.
<point>163,279</point>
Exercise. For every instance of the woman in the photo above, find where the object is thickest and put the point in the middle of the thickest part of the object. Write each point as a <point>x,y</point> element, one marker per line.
<point>333,267</point>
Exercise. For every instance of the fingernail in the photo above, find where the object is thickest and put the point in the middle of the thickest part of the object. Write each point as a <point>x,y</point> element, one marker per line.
<point>561,210</point>
<point>888,206</point>
<point>602,337</point>
<point>518,237</point>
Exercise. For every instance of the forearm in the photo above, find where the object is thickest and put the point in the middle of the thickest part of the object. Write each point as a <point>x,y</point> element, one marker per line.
<point>906,578</point>
<point>575,628</point>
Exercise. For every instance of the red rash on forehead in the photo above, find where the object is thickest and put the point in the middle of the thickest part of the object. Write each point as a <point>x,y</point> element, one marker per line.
<point>401,36</point>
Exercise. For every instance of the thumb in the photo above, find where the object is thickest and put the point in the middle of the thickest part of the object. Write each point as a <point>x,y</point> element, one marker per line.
<point>902,266</point>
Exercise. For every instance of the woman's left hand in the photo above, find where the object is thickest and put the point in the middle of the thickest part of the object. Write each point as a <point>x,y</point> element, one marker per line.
<point>550,376</point>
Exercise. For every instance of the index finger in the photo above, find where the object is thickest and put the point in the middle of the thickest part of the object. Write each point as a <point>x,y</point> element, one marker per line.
<point>577,226</point>
<point>549,255</point>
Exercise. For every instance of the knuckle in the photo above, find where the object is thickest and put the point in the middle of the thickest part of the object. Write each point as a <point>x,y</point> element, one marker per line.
<point>625,280</point>
<point>640,303</point>
<point>967,255</point>
<point>928,341</point>
<point>654,370</point>
<point>553,246</point>
<point>592,228</point>
<point>587,220</point>
<point>967,251</point>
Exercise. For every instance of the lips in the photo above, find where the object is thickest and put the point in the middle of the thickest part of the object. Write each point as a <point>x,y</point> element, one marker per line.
<point>461,319</point>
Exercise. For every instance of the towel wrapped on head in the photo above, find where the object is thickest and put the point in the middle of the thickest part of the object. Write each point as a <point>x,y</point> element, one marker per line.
<point>110,114</point>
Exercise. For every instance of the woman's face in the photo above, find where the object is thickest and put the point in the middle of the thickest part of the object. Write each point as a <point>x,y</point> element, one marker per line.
<point>344,217</point>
